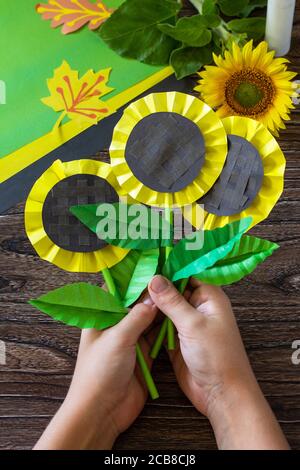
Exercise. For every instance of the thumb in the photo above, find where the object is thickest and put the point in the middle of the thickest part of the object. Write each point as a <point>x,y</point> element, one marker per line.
<point>135,322</point>
<point>167,298</point>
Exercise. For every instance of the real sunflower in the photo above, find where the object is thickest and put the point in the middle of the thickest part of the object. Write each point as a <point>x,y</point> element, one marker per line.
<point>249,82</point>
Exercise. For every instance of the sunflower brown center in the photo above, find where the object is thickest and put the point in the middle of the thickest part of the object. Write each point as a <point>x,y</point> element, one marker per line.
<point>249,92</point>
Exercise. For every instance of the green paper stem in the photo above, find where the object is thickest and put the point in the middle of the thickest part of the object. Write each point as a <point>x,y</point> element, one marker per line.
<point>164,327</point>
<point>159,340</point>
<point>110,283</point>
<point>170,327</point>
<point>146,373</point>
<point>139,354</point>
<point>170,334</point>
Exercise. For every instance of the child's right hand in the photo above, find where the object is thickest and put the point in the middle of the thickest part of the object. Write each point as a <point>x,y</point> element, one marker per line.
<point>212,367</point>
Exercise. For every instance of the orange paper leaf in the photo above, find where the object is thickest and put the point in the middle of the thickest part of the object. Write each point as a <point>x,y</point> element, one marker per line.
<point>73,14</point>
<point>79,99</point>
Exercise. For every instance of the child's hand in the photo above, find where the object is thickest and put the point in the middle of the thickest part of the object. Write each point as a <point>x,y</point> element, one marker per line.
<point>107,392</point>
<point>212,367</point>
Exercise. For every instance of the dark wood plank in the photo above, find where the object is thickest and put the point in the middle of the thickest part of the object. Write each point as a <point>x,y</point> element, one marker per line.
<point>41,353</point>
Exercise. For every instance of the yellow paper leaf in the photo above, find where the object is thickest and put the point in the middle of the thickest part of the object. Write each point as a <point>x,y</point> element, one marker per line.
<point>73,14</point>
<point>79,99</point>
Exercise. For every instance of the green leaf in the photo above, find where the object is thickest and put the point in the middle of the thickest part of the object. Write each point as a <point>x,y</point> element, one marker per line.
<point>241,261</point>
<point>122,271</point>
<point>205,7</point>
<point>198,4</point>
<point>253,27</point>
<point>232,7</point>
<point>132,32</point>
<point>133,273</point>
<point>132,226</point>
<point>83,305</point>
<point>145,269</point>
<point>253,4</point>
<point>188,60</point>
<point>191,30</point>
<point>209,7</point>
<point>184,261</point>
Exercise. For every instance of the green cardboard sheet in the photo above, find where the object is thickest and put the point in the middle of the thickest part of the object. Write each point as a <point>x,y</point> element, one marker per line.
<point>30,50</point>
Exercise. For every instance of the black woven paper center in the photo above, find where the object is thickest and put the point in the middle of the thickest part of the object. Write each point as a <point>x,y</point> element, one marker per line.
<point>239,182</point>
<point>165,151</point>
<point>64,229</point>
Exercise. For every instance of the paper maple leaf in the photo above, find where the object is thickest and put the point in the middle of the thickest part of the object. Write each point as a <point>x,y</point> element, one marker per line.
<point>79,99</point>
<point>73,14</point>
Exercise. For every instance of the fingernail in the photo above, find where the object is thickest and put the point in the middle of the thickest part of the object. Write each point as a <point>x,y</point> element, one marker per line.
<point>159,284</point>
<point>147,300</point>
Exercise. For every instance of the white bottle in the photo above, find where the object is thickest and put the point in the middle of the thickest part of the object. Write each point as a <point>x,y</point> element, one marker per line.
<point>279,25</point>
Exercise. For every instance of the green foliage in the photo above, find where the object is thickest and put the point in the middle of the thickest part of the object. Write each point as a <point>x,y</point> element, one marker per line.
<point>122,272</point>
<point>252,5</point>
<point>187,60</point>
<point>241,261</point>
<point>151,31</point>
<point>253,27</point>
<point>152,230</point>
<point>232,7</point>
<point>144,270</point>
<point>132,31</point>
<point>83,305</point>
<point>185,261</point>
<point>192,30</point>
<point>225,256</point>
<point>132,275</point>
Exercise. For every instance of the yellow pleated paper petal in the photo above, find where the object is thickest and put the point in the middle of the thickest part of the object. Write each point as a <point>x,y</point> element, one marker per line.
<point>90,262</point>
<point>190,107</point>
<point>273,162</point>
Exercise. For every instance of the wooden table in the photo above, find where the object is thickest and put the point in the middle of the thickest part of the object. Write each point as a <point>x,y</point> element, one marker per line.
<point>41,353</point>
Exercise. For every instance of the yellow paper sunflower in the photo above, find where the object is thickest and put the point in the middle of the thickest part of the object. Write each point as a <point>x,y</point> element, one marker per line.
<point>37,221</point>
<point>249,82</point>
<point>262,198</point>
<point>169,130</point>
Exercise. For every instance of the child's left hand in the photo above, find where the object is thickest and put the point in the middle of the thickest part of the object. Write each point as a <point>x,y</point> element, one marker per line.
<point>108,391</point>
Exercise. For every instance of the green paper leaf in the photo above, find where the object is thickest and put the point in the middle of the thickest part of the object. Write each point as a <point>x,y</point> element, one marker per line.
<point>145,269</point>
<point>83,305</point>
<point>184,262</point>
<point>188,60</point>
<point>192,30</point>
<point>132,32</point>
<point>124,227</point>
<point>232,7</point>
<point>133,273</point>
<point>122,271</point>
<point>253,4</point>
<point>241,261</point>
<point>253,27</point>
